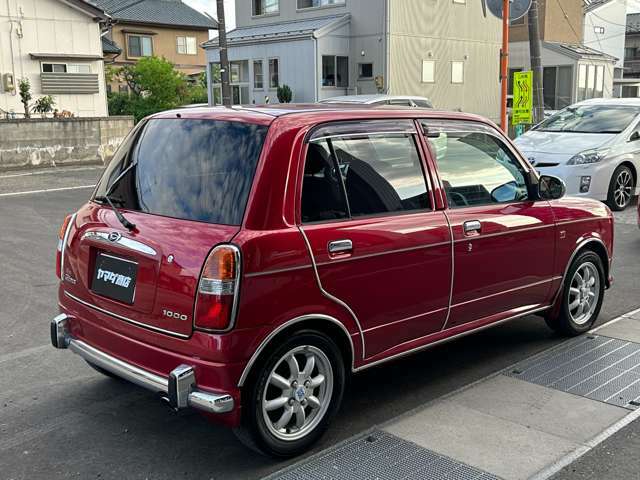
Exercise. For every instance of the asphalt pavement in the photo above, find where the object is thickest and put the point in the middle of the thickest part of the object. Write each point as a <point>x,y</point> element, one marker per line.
<point>60,419</point>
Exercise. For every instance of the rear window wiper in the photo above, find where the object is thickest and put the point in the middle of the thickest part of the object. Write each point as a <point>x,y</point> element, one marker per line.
<point>106,198</point>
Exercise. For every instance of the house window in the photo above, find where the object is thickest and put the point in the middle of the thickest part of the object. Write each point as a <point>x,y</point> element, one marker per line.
<point>186,45</point>
<point>139,46</point>
<point>66,68</point>
<point>365,70</point>
<point>335,71</point>
<point>519,21</point>
<point>460,1</point>
<point>557,85</point>
<point>318,3</point>
<point>630,53</point>
<point>274,80</point>
<point>265,7</point>
<point>457,72</point>
<point>599,89</point>
<point>428,71</point>
<point>599,30</point>
<point>258,75</point>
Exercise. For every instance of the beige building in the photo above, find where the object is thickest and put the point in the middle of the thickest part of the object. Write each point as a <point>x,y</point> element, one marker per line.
<point>163,28</point>
<point>442,49</point>
<point>55,44</point>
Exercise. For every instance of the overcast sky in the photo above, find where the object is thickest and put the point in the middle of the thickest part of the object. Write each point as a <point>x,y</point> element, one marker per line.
<point>209,6</point>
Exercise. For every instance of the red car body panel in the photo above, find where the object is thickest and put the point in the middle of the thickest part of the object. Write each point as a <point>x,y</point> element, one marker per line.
<point>393,293</point>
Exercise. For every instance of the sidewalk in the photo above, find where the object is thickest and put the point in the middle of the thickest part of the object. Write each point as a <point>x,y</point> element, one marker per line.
<point>528,421</point>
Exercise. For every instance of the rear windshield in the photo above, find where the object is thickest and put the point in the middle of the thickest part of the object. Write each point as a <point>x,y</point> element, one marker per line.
<point>198,170</point>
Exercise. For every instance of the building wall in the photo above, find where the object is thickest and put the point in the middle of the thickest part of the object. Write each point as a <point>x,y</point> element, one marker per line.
<point>554,27</point>
<point>54,142</point>
<point>519,58</point>
<point>443,31</point>
<point>48,26</point>
<point>612,17</point>
<point>296,67</point>
<point>164,45</point>
<point>288,11</point>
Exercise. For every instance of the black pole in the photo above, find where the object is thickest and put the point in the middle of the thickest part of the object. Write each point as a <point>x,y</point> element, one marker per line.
<point>535,46</point>
<point>224,58</point>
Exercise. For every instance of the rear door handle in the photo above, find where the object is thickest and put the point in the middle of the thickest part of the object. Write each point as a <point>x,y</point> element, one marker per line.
<point>472,226</point>
<point>340,246</point>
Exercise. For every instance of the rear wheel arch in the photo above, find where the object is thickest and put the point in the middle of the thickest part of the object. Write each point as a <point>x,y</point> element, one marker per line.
<point>325,324</point>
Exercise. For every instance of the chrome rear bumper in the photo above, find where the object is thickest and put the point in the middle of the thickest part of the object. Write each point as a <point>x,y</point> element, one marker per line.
<point>179,389</point>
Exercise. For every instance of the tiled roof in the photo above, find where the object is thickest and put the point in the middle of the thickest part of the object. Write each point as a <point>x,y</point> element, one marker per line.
<point>576,50</point>
<point>109,46</point>
<point>280,30</point>
<point>160,12</point>
<point>593,4</point>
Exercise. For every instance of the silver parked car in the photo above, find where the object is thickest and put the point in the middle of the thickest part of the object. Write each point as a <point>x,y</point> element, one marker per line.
<point>381,99</point>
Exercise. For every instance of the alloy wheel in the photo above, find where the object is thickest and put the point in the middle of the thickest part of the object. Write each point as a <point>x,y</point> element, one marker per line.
<point>623,189</point>
<point>298,393</point>
<point>584,293</point>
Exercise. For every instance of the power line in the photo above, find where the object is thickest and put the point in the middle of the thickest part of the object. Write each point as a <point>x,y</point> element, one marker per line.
<point>581,41</point>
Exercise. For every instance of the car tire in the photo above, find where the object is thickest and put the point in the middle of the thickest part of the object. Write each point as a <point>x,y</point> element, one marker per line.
<point>283,420</point>
<point>621,188</point>
<point>581,296</point>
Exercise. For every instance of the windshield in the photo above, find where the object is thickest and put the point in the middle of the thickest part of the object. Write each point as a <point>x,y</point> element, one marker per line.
<point>191,169</point>
<point>590,119</point>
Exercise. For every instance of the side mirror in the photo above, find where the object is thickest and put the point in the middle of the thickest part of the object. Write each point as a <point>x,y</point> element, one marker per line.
<point>634,136</point>
<point>551,188</point>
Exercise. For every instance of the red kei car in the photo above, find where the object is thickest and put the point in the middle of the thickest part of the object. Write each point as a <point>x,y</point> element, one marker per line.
<point>244,261</point>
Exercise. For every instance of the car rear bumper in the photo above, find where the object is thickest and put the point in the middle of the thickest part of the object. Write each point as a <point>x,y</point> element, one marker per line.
<point>179,389</point>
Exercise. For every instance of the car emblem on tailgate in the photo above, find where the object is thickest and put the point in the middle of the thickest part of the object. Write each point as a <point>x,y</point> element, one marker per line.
<point>114,236</point>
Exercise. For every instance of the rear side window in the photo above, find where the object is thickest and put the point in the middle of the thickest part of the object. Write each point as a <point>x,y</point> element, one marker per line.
<point>190,169</point>
<point>363,175</point>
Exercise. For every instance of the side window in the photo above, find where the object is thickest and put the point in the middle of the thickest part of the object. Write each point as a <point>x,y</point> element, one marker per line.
<point>477,169</point>
<point>381,174</point>
<point>378,173</point>
<point>322,193</point>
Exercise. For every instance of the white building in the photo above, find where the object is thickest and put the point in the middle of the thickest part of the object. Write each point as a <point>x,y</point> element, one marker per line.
<point>441,49</point>
<point>605,28</point>
<point>56,45</point>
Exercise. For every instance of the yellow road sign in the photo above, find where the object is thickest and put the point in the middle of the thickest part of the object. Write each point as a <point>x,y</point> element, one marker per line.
<point>522,109</point>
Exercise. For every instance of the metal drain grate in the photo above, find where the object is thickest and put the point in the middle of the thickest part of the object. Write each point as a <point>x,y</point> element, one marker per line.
<point>381,456</point>
<point>596,367</point>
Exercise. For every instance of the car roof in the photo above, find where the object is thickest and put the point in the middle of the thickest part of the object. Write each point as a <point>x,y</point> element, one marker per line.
<point>312,113</point>
<point>377,97</point>
<point>630,102</point>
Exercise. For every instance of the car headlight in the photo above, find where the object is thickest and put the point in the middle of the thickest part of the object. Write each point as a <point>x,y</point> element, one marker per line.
<point>588,156</point>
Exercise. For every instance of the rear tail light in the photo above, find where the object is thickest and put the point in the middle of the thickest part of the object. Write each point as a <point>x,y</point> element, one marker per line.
<point>218,289</point>
<point>62,238</point>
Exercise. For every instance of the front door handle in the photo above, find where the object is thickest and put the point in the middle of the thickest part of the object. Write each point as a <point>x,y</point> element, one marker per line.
<point>471,227</point>
<point>340,246</point>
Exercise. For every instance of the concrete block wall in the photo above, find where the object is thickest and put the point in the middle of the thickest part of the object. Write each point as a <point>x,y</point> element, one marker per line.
<point>37,143</point>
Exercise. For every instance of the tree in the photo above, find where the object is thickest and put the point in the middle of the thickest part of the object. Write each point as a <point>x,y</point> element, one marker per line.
<point>155,85</point>
<point>25,96</point>
<point>284,94</point>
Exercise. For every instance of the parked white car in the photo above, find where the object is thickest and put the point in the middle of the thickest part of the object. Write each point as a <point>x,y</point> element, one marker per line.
<point>381,99</point>
<point>594,146</point>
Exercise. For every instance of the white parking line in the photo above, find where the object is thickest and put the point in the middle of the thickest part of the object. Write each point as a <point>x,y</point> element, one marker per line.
<point>50,171</point>
<point>46,190</point>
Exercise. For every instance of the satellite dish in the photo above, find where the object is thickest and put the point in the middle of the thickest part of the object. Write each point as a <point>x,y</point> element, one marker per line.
<point>517,10</point>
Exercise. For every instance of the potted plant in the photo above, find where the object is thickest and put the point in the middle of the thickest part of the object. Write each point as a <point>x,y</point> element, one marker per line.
<point>284,94</point>
<point>44,105</point>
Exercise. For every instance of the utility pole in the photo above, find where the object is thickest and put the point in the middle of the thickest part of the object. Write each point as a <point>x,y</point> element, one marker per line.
<point>224,58</point>
<point>535,46</point>
<point>504,66</point>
